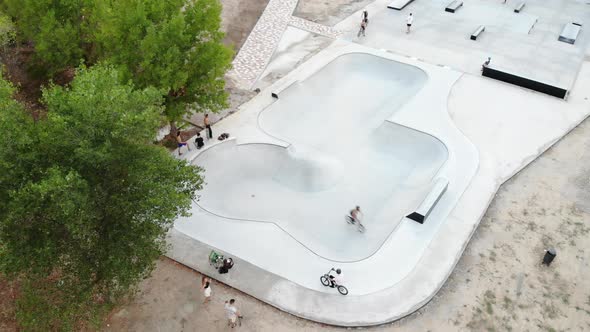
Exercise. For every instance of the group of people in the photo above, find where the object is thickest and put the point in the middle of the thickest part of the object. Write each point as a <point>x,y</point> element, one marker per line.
<point>231,311</point>
<point>365,22</point>
<point>199,142</point>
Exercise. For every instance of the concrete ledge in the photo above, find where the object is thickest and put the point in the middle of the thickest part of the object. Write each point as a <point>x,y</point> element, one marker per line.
<point>399,4</point>
<point>524,82</point>
<point>424,209</point>
<point>454,6</point>
<point>480,29</point>
<point>570,33</point>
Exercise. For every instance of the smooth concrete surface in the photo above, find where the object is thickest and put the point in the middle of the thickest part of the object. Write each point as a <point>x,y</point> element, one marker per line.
<point>525,44</point>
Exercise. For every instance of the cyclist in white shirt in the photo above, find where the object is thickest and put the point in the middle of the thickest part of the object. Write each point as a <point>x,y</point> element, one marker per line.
<point>335,277</point>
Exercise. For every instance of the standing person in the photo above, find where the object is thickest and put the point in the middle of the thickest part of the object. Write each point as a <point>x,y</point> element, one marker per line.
<point>204,280</point>
<point>232,313</point>
<point>181,143</point>
<point>207,292</point>
<point>199,141</point>
<point>365,17</point>
<point>362,29</point>
<point>409,21</point>
<point>208,126</point>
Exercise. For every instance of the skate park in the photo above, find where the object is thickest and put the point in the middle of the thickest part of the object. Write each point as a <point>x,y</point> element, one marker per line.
<point>385,125</point>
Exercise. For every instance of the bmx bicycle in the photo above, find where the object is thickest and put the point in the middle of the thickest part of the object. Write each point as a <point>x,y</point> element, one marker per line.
<point>325,279</point>
<point>352,221</point>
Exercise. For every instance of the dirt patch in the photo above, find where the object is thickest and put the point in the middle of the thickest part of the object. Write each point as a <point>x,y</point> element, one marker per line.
<point>238,18</point>
<point>15,61</point>
<point>329,12</point>
<point>7,305</point>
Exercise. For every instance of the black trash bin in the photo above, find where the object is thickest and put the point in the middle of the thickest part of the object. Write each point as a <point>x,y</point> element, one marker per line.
<point>549,256</point>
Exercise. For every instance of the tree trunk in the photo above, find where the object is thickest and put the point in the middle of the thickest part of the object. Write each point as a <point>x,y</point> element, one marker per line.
<point>173,129</point>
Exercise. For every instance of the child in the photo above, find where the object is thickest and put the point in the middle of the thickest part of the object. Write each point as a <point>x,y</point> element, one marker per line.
<point>207,292</point>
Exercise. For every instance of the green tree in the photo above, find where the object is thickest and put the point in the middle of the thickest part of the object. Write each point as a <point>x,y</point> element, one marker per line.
<point>7,31</point>
<point>86,198</point>
<point>173,45</point>
<point>57,29</point>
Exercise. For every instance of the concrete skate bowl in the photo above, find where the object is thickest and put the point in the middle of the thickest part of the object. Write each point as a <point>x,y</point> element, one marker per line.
<point>340,151</point>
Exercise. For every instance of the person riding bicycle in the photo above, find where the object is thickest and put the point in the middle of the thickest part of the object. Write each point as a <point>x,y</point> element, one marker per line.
<point>355,214</point>
<point>335,277</point>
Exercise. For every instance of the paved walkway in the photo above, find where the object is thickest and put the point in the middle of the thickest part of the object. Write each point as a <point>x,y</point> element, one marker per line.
<point>314,27</point>
<point>262,41</point>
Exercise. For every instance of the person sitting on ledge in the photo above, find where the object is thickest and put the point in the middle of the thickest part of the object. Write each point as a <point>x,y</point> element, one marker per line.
<point>486,63</point>
<point>199,141</point>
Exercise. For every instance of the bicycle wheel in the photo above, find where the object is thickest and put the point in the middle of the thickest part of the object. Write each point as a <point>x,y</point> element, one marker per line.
<point>325,281</point>
<point>361,228</point>
<point>342,290</point>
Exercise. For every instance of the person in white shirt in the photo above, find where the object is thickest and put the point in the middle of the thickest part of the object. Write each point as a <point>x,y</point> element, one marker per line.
<point>335,277</point>
<point>409,21</point>
<point>207,291</point>
<point>232,313</point>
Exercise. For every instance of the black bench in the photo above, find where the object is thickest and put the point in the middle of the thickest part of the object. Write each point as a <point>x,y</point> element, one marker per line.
<point>524,82</point>
<point>453,6</point>
<point>436,192</point>
<point>399,4</point>
<point>519,7</point>
<point>478,32</point>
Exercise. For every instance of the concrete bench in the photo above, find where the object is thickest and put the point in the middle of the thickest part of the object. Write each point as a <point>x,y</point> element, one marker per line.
<point>478,32</point>
<point>399,4</point>
<point>453,6</point>
<point>570,33</point>
<point>524,82</point>
<point>424,209</point>
<point>519,7</point>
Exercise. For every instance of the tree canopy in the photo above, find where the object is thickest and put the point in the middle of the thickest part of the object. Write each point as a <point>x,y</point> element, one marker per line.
<point>87,198</point>
<point>57,28</point>
<point>173,45</point>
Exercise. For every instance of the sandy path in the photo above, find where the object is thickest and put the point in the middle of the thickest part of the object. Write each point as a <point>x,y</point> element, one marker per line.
<point>238,17</point>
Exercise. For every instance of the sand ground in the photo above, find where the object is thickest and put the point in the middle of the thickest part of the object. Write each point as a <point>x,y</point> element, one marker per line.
<point>238,17</point>
<point>498,284</point>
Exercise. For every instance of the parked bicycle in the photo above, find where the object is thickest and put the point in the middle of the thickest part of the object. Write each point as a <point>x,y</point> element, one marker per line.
<point>329,280</point>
